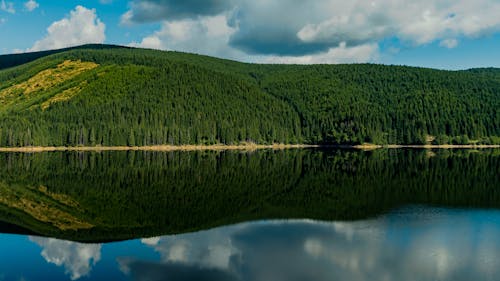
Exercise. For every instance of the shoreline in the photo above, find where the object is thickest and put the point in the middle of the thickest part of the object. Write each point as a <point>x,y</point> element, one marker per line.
<point>155,148</point>
<point>243,147</point>
<point>426,146</point>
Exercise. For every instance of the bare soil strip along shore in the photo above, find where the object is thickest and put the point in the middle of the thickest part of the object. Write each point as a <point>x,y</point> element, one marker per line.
<point>426,146</point>
<point>231,147</point>
<point>154,148</point>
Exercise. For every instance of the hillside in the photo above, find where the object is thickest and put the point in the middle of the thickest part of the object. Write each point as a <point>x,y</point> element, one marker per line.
<point>107,95</point>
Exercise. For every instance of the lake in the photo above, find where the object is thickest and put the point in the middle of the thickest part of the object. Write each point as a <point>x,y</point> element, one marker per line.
<point>304,214</point>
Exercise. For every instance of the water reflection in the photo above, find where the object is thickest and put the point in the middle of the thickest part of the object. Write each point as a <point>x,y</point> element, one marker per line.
<point>76,258</point>
<point>211,249</point>
<point>417,243</point>
<point>412,244</point>
<point>123,195</point>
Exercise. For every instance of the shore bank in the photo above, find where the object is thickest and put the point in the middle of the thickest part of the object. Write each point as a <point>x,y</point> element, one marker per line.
<point>426,146</point>
<point>154,148</point>
<point>243,147</point>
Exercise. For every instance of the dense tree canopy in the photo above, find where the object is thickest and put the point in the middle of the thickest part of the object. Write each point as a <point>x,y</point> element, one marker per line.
<point>145,97</point>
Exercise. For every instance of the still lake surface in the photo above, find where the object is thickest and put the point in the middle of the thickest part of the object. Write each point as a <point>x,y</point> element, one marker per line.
<point>308,214</point>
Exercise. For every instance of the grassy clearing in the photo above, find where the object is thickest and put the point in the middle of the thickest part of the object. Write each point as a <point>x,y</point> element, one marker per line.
<point>46,80</point>
<point>64,96</point>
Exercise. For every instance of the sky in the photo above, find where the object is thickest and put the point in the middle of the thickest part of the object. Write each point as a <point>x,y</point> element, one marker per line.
<point>444,34</point>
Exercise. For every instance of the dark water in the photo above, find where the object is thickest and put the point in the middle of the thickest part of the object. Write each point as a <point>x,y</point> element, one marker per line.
<point>266,215</point>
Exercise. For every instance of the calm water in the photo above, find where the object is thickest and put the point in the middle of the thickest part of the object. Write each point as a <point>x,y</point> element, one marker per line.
<point>266,215</point>
<point>416,243</point>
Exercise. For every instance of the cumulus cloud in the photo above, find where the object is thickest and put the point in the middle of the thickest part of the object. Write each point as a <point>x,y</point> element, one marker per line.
<point>153,10</point>
<point>212,35</point>
<point>358,22</point>
<point>82,26</point>
<point>7,7</point>
<point>31,5</point>
<point>297,30</point>
<point>207,35</point>
<point>76,258</point>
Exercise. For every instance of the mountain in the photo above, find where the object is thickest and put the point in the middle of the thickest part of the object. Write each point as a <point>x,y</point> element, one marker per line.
<point>110,95</point>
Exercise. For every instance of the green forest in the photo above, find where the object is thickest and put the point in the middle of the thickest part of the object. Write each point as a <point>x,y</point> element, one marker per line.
<point>99,95</point>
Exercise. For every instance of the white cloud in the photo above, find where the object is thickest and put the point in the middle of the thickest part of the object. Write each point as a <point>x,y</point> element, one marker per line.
<point>206,35</point>
<point>449,43</point>
<point>81,27</point>
<point>7,7</point>
<point>257,29</point>
<point>211,36</point>
<point>150,42</point>
<point>417,22</point>
<point>76,258</point>
<point>126,18</point>
<point>31,5</point>
<point>339,54</point>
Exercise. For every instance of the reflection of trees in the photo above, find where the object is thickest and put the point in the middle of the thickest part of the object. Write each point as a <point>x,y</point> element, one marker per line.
<point>132,194</point>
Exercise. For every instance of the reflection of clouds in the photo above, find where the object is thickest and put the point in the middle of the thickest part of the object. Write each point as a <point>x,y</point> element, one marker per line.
<point>76,258</point>
<point>208,249</point>
<point>488,252</point>
<point>417,244</point>
<point>178,252</point>
<point>153,241</point>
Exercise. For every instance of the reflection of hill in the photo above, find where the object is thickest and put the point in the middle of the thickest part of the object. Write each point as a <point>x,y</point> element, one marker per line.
<point>121,195</point>
<point>43,206</point>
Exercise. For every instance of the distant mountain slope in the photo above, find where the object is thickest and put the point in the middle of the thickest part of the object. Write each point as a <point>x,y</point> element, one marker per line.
<point>491,70</point>
<point>107,95</point>
<point>12,60</point>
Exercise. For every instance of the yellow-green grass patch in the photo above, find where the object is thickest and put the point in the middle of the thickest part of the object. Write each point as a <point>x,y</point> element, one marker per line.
<point>47,79</point>
<point>64,95</point>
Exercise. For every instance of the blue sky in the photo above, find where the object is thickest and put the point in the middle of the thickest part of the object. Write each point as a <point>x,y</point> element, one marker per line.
<point>447,34</point>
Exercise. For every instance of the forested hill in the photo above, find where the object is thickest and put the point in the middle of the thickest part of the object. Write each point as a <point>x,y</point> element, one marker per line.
<point>106,95</point>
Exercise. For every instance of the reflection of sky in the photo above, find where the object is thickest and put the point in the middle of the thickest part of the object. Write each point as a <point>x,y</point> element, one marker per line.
<point>411,244</point>
<point>76,258</point>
